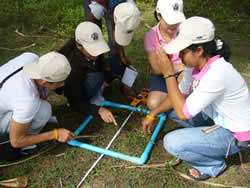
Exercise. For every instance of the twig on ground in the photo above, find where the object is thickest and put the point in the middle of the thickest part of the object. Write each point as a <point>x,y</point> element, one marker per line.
<point>32,36</point>
<point>178,172</point>
<point>5,142</point>
<point>76,137</point>
<point>142,166</point>
<point>29,158</point>
<point>61,154</point>
<point>208,183</point>
<point>20,34</point>
<point>15,182</point>
<point>17,49</point>
<point>60,181</point>
<point>246,75</point>
<point>242,164</point>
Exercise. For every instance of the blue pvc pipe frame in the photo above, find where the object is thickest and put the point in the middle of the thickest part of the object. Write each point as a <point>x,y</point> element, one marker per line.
<point>133,159</point>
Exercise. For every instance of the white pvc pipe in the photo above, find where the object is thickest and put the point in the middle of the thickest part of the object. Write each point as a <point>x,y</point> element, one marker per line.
<point>108,146</point>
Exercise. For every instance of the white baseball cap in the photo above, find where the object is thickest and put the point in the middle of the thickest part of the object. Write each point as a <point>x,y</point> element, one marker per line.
<point>89,35</point>
<point>171,11</point>
<point>194,30</point>
<point>51,67</point>
<point>127,17</point>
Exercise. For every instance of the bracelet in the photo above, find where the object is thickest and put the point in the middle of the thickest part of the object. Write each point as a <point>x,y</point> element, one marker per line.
<point>150,117</point>
<point>169,76</point>
<point>56,134</point>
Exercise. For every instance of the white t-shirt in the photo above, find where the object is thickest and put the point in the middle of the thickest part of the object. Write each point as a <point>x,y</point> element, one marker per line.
<point>19,93</point>
<point>99,10</point>
<point>219,91</point>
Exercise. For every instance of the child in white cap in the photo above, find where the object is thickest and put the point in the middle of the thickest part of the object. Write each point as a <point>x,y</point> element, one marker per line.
<point>24,111</point>
<point>216,90</point>
<point>85,84</point>
<point>122,17</point>
<point>169,14</point>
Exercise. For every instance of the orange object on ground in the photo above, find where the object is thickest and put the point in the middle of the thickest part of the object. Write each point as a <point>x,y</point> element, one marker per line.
<point>141,98</point>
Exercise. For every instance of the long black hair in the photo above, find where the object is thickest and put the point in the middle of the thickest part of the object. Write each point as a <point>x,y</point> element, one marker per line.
<point>68,47</point>
<point>213,48</point>
<point>156,17</point>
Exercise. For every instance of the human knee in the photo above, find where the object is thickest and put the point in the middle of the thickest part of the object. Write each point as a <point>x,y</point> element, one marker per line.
<point>174,143</point>
<point>152,103</point>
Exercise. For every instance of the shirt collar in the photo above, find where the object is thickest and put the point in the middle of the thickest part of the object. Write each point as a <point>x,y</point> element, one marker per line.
<point>198,74</point>
<point>160,38</point>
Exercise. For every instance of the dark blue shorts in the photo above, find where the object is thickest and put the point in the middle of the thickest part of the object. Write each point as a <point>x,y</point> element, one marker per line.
<point>158,83</point>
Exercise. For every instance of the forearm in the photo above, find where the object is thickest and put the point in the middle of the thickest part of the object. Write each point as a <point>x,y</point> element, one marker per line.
<point>154,67</point>
<point>176,97</point>
<point>122,55</point>
<point>152,59</point>
<point>27,140</point>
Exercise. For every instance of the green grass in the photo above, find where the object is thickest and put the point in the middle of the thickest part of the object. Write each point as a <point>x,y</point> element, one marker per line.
<point>49,24</point>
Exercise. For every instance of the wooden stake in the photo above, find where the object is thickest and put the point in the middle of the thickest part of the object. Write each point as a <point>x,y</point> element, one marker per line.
<point>15,182</point>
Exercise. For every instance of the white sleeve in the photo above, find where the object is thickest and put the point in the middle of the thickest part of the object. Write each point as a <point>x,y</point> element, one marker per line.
<point>97,9</point>
<point>25,109</point>
<point>26,102</point>
<point>186,82</point>
<point>205,93</point>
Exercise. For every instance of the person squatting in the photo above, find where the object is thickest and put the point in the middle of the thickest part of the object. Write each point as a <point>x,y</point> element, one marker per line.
<point>192,81</point>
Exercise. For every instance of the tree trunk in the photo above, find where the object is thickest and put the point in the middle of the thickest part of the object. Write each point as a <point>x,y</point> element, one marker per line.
<point>21,12</point>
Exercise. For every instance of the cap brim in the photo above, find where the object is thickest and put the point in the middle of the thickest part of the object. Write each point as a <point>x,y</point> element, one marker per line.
<point>31,70</point>
<point>97,48</point>
<point>176,45</point>
<point>173,18</point>
<point>121,37</point>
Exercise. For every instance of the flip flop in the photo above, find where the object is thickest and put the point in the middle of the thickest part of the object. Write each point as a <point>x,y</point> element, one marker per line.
<point>202,177</point>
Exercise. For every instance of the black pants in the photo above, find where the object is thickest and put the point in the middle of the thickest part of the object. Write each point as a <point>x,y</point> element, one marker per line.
<point>7,152</point>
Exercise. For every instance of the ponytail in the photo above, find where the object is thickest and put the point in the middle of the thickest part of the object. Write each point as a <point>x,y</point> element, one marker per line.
<point>222,48</point>
<point>213,48</point>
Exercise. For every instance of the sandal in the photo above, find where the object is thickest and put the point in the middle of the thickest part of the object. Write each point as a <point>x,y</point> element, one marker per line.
<point>201,177</point>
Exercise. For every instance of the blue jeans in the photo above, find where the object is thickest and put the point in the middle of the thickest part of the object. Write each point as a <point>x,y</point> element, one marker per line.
<point>91,84</point>
<point>203,151</point>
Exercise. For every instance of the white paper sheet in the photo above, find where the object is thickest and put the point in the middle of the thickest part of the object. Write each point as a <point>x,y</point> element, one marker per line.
<point>129,76</point>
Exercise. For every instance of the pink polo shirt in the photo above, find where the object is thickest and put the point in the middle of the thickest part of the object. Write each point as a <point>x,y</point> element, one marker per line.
<point>154,40</point>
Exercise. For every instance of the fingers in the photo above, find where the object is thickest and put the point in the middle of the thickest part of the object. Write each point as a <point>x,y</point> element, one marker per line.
<point>113,120</point>
<point>110,119</point>
<point>107,116</point>
<point>72,135</point>
<point>65,135</point>
<point>149,129</point>
<point>147,126</point>
<point>144,126</point>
